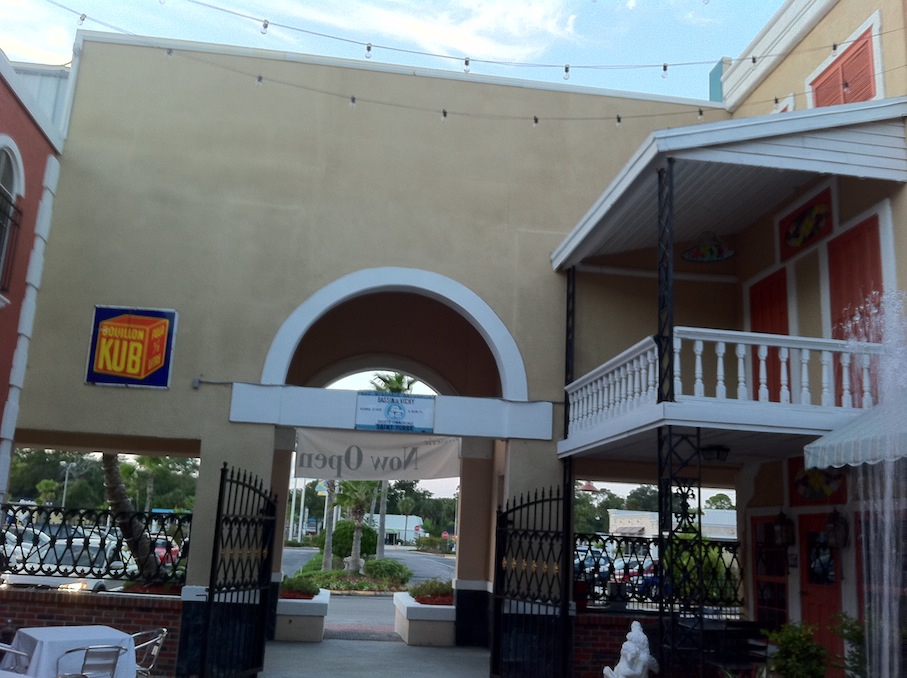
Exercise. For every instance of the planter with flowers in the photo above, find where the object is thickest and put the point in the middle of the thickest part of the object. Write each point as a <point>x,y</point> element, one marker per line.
<point>425,615</point>
<point>301,610</point>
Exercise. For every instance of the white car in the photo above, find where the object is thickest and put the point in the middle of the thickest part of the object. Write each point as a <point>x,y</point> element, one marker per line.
<point>19,543</point>
<point>76,565</point>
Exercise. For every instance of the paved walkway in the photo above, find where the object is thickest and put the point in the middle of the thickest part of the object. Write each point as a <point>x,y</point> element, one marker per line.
<point>359,640</point>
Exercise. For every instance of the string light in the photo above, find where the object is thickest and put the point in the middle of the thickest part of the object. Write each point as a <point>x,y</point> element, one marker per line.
<point>846,86</point>
<point>466,65</point>
<point>834,48</point>
<point>169,53</point>
<point>664,70</point>
<point>535,121</point>
<point>617,119</point>
<point>567,72</point>
<point>352,102</point>
<point>264,26</point>
<point>81,19</point>
<point>368,51</point>
<point>443,115</point>
<point>259,80</point>
<point>700,114</point>
<point>754,61</point>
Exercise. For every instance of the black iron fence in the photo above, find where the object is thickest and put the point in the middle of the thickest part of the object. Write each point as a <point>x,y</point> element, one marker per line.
<point>48,547</point>
<point>620,571</point>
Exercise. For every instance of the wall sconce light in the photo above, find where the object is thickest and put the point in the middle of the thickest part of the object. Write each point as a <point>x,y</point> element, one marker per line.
<point>837,530</point>
<point>784,530</point>
<point>708,248</point>
<point>714,452</point>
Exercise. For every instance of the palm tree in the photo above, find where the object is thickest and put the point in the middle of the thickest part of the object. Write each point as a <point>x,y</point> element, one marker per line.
<point>356,497</point>
<point>133,528</point>
<point>327,562</point>
<point>406,506</point>
<point>388,383</point>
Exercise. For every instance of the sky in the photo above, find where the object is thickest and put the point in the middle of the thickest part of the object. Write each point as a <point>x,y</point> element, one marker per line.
<point>612,44</point>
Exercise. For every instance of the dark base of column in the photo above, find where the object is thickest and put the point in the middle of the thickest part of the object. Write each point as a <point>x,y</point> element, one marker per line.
<point>473,625</point>
<point>192,634</point>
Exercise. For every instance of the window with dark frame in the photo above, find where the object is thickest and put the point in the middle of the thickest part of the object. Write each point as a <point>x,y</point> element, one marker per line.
<point>10,217</point>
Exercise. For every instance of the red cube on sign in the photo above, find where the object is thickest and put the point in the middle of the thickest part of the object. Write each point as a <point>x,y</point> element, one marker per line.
<point>445,534</point>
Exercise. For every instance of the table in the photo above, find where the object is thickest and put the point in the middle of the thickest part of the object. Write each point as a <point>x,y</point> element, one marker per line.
<point>47,644</point>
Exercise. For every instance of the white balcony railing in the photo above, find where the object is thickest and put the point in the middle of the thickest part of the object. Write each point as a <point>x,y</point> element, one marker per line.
<point>730,365</point>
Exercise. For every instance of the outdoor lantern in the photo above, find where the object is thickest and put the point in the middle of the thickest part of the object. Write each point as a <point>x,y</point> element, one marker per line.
<point>784,530</point>
<point>714,452</point>
<point>837,530</point>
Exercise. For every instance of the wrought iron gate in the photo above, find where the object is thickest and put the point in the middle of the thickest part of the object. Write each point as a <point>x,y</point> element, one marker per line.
<point>237,607</point>
<point>532,630</point>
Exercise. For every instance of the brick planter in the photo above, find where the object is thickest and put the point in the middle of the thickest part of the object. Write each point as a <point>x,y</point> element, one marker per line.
<point>127,612</point>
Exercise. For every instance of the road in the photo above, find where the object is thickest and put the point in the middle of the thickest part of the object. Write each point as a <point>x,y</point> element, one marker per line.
<point>424,565</point>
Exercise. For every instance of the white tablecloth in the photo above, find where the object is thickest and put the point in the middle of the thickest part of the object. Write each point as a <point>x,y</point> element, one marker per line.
<point>47,644</point>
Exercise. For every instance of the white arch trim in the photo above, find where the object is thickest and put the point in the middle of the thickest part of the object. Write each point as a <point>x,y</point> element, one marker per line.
<point>514,384</point>
<point>7,143</point>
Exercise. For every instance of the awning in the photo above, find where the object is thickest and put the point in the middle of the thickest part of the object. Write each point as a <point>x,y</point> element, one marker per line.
<point>630,531</point>
<point>877,435</point>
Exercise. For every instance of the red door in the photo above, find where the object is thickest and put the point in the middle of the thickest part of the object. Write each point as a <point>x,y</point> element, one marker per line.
<point>820,583</point>
<point>855,289</point>
<point>768,313</point>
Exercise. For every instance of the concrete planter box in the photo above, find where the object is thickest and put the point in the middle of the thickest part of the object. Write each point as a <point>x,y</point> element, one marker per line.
<point>302,621</point>
<point>420,624</point>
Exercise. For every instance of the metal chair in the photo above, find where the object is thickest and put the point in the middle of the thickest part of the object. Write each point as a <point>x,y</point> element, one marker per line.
<point>21,658</point>
<point>147,648</point>
<point>99,661</point>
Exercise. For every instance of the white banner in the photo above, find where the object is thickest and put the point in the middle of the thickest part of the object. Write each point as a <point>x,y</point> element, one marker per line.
<point>367,455</point>
<point>379,411</point>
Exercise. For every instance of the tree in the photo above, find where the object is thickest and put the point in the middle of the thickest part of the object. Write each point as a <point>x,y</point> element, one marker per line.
<point>643,498</point>
<point>47,491</point>
<point>406,506</point>
<point>356,498</point>
<point>327,562</point>
<point>719,501</point>
<point>388,383</point>
<point>133,529</point>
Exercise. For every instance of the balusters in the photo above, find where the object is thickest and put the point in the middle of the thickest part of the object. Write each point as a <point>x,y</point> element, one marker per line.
<point>678,385</point>
<point>698,388</point>
<point>762,353</point>
<point>805,395</point>
<point>828,397</point>
<point>740,351</point>
<point>867,380</point>
<point>720,388</point>
<point>846,397</point>
<point>652,380</point>
<point>784,395</point>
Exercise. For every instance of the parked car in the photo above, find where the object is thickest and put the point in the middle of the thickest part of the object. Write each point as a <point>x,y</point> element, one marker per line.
<point>74,565</point>
<point>629,567</point>
<point>18,543</point>
<point>594,566</point>
<point>166,551</point>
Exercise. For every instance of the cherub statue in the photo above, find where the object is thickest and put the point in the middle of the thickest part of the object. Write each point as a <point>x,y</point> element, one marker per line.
<point>635,660</point>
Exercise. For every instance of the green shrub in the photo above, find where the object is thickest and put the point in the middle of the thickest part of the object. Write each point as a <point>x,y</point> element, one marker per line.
<point>798,655</point>
<point>431,587</point>
<point>292,543</point>
<point>431,544</point>
<point>300,583</point>
<point>391,570</point>
<point>338,580</point>
<point>343,539</point>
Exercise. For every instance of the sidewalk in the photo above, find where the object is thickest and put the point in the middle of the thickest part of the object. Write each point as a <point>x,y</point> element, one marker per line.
<point>360,641</point>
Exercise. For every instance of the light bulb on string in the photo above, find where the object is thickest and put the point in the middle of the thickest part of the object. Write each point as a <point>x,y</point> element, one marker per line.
<point>617,121</point>
<point>264,26</point>
<point>259,80</point>
<point>169,53</point>
<point>700,114</point>
<point>81,19</point>
<point>754,61</point>
<point>535,121</point>
<point>352,102</point>
<point>834,48</point>
<point>466,65</point>
<point>443,115</point>
<point>368,51</point>
<point>567,72</point>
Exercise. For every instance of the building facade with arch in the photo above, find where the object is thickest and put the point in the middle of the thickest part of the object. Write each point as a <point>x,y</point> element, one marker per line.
<point>584,297</point>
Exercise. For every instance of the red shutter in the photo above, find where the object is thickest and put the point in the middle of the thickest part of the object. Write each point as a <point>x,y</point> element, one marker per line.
<point>850,78</point>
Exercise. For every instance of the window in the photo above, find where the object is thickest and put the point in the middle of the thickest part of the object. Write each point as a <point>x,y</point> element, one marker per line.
<point>850,77</point>
<point>9,218</point>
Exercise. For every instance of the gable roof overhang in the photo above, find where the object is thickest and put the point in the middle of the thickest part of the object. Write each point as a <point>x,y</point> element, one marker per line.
<point>735,167</point>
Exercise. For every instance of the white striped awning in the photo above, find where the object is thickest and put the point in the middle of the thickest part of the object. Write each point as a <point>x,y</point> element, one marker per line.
<point>877,435</point>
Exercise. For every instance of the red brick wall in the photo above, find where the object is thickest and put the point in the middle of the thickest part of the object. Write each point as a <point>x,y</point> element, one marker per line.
<point>597,639</point>
<point>124,611</point>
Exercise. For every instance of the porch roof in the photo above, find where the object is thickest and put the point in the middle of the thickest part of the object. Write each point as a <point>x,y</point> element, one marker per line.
<point>878,434</point>
<point>735,167</point>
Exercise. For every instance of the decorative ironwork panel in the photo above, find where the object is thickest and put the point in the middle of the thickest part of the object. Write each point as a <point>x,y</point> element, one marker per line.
<point>44,546</point>
<point>531,588</point>
<point>239,586</point>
